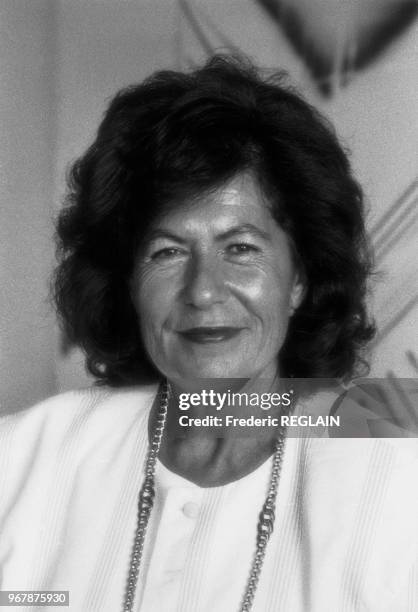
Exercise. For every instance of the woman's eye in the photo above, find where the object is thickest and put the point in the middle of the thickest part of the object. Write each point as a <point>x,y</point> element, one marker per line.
<point>242,248</point>
<point>166,253</point>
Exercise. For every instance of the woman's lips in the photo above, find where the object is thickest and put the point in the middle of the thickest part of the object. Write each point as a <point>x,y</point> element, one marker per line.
<point>204,335</point>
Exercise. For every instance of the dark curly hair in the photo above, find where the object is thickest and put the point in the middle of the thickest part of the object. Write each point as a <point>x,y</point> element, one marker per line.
<point>179,134</point>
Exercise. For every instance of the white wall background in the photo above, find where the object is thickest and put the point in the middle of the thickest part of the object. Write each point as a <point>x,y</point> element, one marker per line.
<point>27,124</point>
<point>62,60</point>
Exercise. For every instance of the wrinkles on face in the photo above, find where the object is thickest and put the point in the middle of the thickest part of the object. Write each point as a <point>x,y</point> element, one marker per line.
<point>218,261</point>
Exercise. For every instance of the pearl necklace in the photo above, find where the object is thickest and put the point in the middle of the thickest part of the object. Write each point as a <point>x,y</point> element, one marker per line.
<point>146,501</point>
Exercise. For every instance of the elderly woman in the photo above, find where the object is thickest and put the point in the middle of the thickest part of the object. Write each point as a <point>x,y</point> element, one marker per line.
<point>213,230</point>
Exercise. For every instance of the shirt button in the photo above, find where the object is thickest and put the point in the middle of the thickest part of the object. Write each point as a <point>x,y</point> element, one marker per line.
<point>191,510</point>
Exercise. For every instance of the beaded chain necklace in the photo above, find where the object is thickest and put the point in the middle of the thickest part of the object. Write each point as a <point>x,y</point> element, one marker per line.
<point>146,500</point>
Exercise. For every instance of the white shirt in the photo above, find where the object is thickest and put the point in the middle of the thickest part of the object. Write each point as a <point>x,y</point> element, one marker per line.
<point>345,536</point>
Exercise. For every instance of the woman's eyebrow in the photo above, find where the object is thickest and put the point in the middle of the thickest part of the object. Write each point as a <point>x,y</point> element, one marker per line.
<point>236,230</point>
<point>244,228</point>
<point>162,233</point>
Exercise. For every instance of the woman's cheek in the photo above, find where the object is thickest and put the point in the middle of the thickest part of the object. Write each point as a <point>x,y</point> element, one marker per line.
<point>155,285</point>
<point>252,283</point>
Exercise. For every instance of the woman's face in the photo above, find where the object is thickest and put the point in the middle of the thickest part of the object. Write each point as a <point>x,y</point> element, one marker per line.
<point>214,286</point>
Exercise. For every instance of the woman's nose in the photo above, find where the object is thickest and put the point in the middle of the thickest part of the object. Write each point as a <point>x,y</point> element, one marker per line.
<point>205,282</point>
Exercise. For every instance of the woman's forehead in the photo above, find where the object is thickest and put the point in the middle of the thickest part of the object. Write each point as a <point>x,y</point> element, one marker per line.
<point>239,200</point>
<point>241,190</point>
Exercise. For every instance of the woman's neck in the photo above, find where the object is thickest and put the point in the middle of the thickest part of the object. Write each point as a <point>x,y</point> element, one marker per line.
<point>214,462</point>
<point>210,461</point>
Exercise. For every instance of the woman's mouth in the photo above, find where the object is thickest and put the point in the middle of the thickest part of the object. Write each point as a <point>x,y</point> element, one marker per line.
<point>204,335</point>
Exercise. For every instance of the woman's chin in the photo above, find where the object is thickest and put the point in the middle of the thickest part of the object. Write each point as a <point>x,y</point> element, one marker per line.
<point>208,370</point>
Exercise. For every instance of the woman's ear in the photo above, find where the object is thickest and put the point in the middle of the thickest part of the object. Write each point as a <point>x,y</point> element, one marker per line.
<point>298,292</point>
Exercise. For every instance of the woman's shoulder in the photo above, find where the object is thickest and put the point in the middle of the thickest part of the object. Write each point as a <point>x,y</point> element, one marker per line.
<point>78,441</point>
<point>95,408</point>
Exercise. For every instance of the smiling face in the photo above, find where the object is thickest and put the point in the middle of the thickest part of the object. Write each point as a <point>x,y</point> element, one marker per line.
<point>214,286</point>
